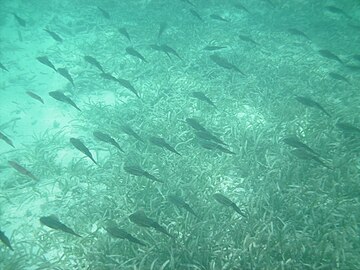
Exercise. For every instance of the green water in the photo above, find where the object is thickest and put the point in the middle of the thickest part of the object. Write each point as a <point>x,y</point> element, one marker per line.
<point>182,134</point>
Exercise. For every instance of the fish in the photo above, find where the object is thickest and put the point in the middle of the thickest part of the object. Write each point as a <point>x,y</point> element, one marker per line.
<point>122,234</point>
<point>222,62</point>
<point>20,21</point>
<point>138,171</point>
<point>127,84</point>
<point>329,55</point>
<point>65,73</point>
<point>82,148</point>
<point>195,124</point>
<point>35,96</point>
<point>201,96</point>
<point>196,14</point>
<point>210,145</point>
<point>297,32</point>
<point>162,27</point>
<point>296,143</point>
<point>159,49</point>
<point>92,61</point>
<point>3,67</point>
<point>248,39</point>
<point>336,10</point>
<point>213,48</point>
<point>339,77</point>
<point>125,33</point>
<point>6,139</point>
<point>104,13</point>
<point>133,52</point>
<point>140,218</point>
<point>168,50</point>
<point>58,95</point>
<point>5,240</point>
<point>54,35</point>
<point>54,223</point>
<point>188,2</point>
<point>158,141</point>
<point>206,135</point>
<point>227,202</point>
<point>311,103</point>
<point>218,18</point>
<point>305,155</point>
<point>107,138</point>
<point>21,169</point>
<point>241,7</point>
<point>45,61</point>
<point>129,131</point>
<point>180,202</point>
<point>109,77</point>
<point>347,127</point>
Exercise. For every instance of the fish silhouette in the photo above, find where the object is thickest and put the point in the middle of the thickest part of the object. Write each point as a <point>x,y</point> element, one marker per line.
<point>54,223</point>
<point>180,202</point>
<point>106,138</point>
<point>158,141</point>
<point>58,95</point>
<point>92,61</point>
<point>227,202</point>
<point>82,148</point>
<point>54,35</point>
<point>21,169</point>
<point>6,139</point>
<point>65,73</point>
<point>122,234</point>
<point>45,61</point>
<point>5,240</point>
<point>138,171</point>
<point>133,52</point>
<point>35,96</point>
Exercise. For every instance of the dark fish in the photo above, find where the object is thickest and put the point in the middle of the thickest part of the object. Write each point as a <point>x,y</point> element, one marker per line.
<point>54,223</point>
<point>329,55</point>
<point>159,49</point>
<point>227,202</point>
<point>248,39</point>
<point>35,96</point>
<point>347,127</point>
<point>305,155</point>
<point>337,11</point>
<point>163,26</point>
<point>218,17</point>
<point>54,35</point>
<point>206,135</point>
<point>201,96</point>
<point>65,73</point>
<point>158,141</point>
<point>296,143</point>
<point>241,7</point>
<point>297,32</point>
<point>179,202</point>
<point>339,77</point>
<point>140,218</point>
<point>44,60</point>
<point>58,95</point>
<point>5,240</point>
<point>210,145</point>
<point>213,48</point>
<point>195,124</point>
<point>129,131</point>
<point>3,67</point>
<point>21,169</point>
<point>104,13</point>
<point>133,52</point>
<point>311,103</point>
<point>128,85</point>
<point>20,21</point>
<point>168,50</point>
<point>82,148</point>
<point>188,2</point>
<point>92,61</point>
<point>195,14</point>
<point>138,171</point>
<point>106,138</point>
<point>6,139</point>
<point>125,33</point>
<point>122,234</point>
<point>109,77</point>
<point>222,62</point>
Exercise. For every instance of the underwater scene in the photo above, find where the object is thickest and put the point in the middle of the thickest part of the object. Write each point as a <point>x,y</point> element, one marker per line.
<point>179,134</point>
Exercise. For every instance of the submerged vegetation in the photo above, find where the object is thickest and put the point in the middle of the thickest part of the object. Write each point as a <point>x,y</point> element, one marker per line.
<point>230,151</point>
